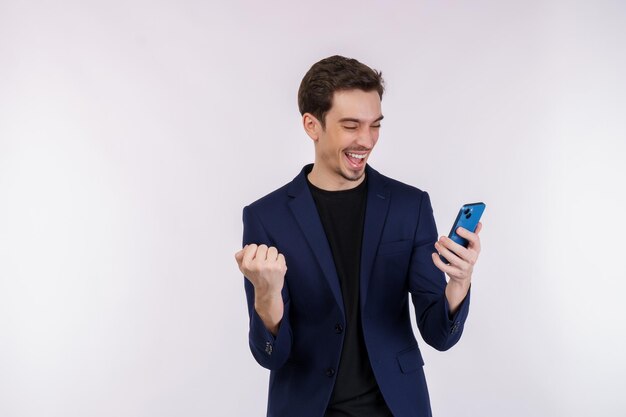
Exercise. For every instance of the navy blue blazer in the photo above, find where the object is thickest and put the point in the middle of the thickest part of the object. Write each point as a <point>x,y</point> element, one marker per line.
<point>398,240</point>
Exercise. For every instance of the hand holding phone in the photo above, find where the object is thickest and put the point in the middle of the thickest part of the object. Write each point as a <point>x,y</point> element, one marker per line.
<point>468,218</point>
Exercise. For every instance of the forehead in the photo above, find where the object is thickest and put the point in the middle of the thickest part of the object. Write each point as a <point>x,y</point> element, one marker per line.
<point>358,104</point>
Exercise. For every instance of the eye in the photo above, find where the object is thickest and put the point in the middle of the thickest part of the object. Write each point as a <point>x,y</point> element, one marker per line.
<point>350,127</point>
<point>376,126</point>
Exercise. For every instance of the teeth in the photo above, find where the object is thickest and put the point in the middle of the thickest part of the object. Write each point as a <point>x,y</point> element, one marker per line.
<point>354,155</point>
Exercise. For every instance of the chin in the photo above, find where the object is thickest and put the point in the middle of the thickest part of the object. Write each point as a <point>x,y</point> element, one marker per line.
<point>353,175</point>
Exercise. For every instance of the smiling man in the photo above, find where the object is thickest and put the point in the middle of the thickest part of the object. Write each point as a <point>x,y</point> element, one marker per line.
<point>331,259</point>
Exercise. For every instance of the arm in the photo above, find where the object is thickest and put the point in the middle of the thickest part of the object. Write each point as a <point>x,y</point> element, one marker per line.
<point>265,268</point>
<point>440,309</point>
<point>267,294</point>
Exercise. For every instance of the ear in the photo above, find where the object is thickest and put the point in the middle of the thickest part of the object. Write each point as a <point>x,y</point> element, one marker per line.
<point>312,126</point>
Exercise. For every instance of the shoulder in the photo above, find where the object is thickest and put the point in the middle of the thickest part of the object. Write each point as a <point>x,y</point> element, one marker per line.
<point>397,189</point>
<point>400,186</point>
<point>271,200</point>
<point>267,218</point>
<point>279,197</point>
<point>408,205</point>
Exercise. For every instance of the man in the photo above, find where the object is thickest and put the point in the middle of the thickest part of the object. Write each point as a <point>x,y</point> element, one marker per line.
<point>331,258</point>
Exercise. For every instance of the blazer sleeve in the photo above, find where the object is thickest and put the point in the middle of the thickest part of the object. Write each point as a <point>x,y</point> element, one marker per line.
<point>270,351</point>
<point>427,285</point>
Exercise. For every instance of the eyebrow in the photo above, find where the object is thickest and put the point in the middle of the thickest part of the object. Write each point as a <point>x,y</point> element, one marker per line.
<point>352,119</point>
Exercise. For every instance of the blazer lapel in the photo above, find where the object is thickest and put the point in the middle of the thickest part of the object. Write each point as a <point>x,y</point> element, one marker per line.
<point>375,215</point>
<point>305,212</point>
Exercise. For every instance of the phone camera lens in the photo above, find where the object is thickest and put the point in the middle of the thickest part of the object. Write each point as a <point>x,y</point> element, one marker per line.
<point>466,211</point>
<point>468,215</point>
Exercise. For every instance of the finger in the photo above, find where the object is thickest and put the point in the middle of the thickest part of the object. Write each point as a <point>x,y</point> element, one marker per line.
<point>239,255</point>
<point>451,256</point>
<point>272,253</point>
<point>261,252</point>
<point>282,261</point>
<point>472,238</point>
<point>459,250</point>
<point>464,233</point>
<point>468,255</point>
<point>249,253</point>
<point>477,245</point>
<point>442,266</point>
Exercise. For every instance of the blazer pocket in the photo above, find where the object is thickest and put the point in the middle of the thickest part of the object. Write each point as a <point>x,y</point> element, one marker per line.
<point>392,248</point>
<point>410,360</point>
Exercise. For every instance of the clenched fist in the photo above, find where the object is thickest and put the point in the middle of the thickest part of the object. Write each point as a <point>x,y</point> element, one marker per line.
<point>265,268</point>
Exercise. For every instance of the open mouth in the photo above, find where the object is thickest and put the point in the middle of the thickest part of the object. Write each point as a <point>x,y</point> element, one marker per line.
<point>356,160</point>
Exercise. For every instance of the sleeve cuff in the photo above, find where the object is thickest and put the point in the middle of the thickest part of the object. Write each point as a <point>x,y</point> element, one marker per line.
<point>456,320</point>
<point>264,343</point>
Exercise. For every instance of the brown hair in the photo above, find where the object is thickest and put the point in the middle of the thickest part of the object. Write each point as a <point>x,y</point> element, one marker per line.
<point>331,74</point>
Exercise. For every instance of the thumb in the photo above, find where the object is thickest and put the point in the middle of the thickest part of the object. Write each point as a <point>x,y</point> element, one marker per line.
<point>239,254</point>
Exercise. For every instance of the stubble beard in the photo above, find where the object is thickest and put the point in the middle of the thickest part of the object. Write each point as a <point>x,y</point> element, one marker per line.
<point>353,178</point>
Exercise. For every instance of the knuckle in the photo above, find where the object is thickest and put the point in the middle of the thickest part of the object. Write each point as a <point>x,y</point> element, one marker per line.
<point>254,266</point>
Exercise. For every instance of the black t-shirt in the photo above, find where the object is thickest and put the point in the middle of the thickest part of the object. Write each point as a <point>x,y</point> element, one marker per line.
<point>356,391</point>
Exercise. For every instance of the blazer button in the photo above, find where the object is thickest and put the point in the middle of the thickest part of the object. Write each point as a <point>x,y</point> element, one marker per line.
<point>338,328</point>
<point>330,372</point>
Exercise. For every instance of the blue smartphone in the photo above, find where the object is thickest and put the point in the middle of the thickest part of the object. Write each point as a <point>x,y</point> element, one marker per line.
<point>468,218</point>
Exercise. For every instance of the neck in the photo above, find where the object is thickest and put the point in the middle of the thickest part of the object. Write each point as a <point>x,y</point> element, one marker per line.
<point>329,182</point>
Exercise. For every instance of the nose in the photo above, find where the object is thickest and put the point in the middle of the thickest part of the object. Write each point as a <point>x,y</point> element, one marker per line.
<point>367,137</point>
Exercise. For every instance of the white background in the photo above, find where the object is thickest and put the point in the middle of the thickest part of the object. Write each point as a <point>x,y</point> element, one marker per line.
<point>133,132</point>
